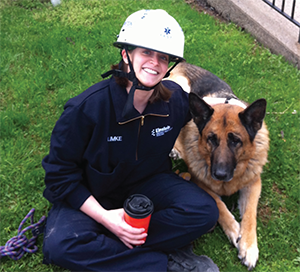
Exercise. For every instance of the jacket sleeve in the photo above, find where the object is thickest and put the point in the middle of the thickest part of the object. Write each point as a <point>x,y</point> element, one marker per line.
<point>188,114</point>
<point>64,164</point>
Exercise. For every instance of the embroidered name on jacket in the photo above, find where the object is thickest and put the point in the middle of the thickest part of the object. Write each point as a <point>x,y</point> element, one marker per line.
<point>114,139</point>
<point>156,132</point>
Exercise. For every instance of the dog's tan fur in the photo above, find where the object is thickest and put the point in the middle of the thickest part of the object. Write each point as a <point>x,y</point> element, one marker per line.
<point>250,159</point>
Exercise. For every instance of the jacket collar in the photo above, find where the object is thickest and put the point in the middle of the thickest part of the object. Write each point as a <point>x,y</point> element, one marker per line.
<point>119,97</point>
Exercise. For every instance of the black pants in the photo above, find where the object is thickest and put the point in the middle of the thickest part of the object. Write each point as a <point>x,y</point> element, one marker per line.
<point>183,212</point>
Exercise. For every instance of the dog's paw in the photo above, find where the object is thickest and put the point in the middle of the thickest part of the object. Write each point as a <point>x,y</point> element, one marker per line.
<point>248,254</point>
<point>233,232</point>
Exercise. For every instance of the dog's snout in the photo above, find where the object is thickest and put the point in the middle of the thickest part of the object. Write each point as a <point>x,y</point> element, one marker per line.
<point>222,166</point>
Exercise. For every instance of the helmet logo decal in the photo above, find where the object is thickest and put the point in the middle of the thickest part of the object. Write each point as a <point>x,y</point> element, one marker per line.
<point>167,30</point>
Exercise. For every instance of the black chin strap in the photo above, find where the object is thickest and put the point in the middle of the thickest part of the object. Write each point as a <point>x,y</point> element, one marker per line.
<point>169,71</point>
<point>135,83</point>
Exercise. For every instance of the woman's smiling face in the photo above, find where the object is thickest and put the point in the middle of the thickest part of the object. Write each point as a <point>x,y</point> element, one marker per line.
<point>149,66</point>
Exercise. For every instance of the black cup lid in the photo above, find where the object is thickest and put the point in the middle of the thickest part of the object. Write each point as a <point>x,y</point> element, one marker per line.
<point>138,206</point>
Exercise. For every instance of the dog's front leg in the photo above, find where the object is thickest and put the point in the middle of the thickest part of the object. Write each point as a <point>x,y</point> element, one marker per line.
<point>228,223</point>
<point>247,245</point>
<point>226,219</point>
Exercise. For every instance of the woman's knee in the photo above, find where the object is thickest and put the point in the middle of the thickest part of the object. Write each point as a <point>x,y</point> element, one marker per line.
<point>212,213</point>
<point>200,212</point>
<point>55,247</point>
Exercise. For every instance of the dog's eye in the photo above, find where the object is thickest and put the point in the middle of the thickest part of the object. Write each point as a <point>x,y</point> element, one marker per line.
<point>212,138</point>
<point>233,140</point>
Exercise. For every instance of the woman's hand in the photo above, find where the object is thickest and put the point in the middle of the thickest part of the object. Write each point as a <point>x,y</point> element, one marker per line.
<point>114,221</point>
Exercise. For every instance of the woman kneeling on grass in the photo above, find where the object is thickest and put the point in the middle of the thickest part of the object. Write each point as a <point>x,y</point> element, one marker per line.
<point>114,140</point>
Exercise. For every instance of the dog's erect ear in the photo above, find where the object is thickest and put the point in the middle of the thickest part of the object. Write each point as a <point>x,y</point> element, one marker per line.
<point>252,117</point>
<point>200,111</point>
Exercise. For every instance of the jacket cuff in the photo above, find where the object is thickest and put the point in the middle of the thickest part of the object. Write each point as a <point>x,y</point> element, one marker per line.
<point>78,196</point>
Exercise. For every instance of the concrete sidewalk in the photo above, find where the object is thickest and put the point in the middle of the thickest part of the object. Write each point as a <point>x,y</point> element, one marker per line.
<point>269,27</point>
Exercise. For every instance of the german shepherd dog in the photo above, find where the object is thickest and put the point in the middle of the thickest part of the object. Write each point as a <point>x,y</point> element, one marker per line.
<point>225,147</point>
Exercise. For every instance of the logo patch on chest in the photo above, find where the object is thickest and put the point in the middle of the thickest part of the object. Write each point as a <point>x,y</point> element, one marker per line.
<point>157,132</point>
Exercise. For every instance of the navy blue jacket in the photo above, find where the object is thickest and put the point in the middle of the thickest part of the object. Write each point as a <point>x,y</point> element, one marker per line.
<point>94,151</point>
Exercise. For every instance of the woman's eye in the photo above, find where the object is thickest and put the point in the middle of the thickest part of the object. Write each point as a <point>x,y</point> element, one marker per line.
<point>165,58</point>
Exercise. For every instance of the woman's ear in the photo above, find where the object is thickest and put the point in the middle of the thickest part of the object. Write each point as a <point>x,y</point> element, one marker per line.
<point>124,56</point>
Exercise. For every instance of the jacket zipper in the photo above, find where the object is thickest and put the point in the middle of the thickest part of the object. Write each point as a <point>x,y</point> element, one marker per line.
<point>137,143</point>
<point>142,120</point>
<point>141,124</point>
<point>143,117</point>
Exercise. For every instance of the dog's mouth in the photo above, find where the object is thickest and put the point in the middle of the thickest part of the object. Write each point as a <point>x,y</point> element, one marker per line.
<point>225,179</point>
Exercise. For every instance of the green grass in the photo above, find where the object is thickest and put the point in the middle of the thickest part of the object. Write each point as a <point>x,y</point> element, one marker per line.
<point>49,55</point>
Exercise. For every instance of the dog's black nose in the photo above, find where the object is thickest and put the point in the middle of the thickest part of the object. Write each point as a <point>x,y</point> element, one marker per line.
<point>221,174</point>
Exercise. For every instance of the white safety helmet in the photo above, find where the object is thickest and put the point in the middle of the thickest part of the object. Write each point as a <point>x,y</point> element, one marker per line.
<point>152,29</point>
<point>155,30</point>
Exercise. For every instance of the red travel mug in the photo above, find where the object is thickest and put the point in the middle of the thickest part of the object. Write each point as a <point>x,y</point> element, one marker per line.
<point>138,210</point>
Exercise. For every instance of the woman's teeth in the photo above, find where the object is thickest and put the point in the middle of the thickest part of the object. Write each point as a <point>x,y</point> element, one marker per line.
<point>150,71</point>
